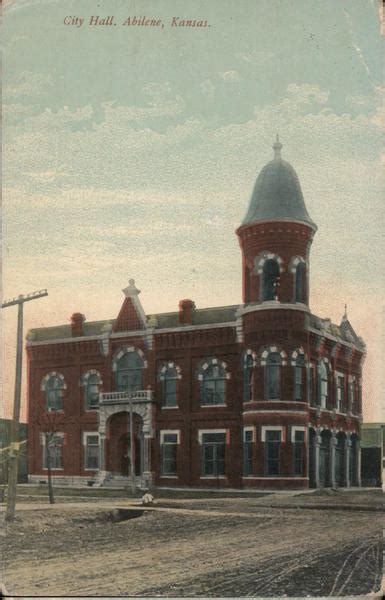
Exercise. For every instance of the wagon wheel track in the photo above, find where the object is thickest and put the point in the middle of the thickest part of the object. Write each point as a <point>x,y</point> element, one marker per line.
<point>346,566</point>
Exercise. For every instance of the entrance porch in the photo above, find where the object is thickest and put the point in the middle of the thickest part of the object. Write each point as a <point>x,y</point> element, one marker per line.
<point>119,460</point>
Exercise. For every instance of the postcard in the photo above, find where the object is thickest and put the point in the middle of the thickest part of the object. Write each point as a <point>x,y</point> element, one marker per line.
<point>193,314</point>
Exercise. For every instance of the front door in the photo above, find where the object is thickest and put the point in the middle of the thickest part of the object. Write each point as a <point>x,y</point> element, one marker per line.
<point>124,451</point>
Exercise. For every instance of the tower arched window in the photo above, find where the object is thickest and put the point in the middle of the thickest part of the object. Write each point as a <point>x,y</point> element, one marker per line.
<point>300,283</point>
<point>54,385</point>
<point>323,384</point>
<point>213,377</point>
<point>299,365</point>
<point>248,375</point>
<point>129,372</point>
<point>273,376</point>
<point>270,276</point>
<point>169,375</point>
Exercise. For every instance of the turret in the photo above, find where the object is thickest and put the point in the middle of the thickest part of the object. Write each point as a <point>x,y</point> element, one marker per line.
<point>275,237</point>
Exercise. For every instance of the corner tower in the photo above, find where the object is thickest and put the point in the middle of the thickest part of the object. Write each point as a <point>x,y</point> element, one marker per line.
<point>275,237</point>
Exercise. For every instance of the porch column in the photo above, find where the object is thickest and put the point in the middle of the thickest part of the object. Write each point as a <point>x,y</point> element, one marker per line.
<point>147,475</point>
<point>348,446</point>
<point>317,446</point>
<point>358,462</point>
<point>333,444</point>
<point>102,458</point>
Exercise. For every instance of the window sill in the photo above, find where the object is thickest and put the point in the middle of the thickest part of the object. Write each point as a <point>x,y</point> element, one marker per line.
<point>290,477</point>
<point>54,469</point>
<point>168,477</point>
<point>169,407</point>
<point>213,477</point>
<point>212,405</point>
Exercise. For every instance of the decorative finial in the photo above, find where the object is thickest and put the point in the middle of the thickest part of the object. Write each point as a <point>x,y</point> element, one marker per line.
<point>345,316</point>
<point>277,147</point>
<point>131,289</point>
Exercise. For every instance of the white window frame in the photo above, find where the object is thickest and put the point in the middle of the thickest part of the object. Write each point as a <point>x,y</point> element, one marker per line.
<point>249,428</point>
<point>295,428</point>
<point>264,429</point>
<point>203,367</point>
<point>253,439</point>
<point>84,384</point>
<point>337,376</point>
<point>201,432</point>
<point>162,433</point>
<point>87,434</point>
<point>44,449</point>
<point>162,378</point>
<point>280,428</point>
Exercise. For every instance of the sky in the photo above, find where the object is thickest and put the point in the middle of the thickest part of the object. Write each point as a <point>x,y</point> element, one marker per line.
<point>132,152</point>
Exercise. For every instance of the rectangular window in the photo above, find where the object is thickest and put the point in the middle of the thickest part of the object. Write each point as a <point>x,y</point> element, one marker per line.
<point>169,392</point>
<point>92,452</point>
<point>272,452</point>
<point>350,396</point>
<point>310,385</point>
<point>299,452</point>
<point>273,373</point>
<point>55,450</point>
<point>340,393</point>
<point>324,392</point>
<point>169,444</point>
<point>213,454</point>
<point>247,452</point>
<point>298,382</point>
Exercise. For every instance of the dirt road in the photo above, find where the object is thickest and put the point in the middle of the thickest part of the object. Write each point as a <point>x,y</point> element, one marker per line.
<point>212,548</point>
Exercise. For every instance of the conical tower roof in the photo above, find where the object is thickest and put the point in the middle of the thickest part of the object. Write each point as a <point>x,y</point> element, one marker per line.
<point>277,194</point>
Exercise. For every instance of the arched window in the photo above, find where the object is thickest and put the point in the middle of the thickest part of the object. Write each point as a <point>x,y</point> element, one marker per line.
<point>91,382</point>
<point>213,382</point>
<point>248,370</point>
<point>169,375</point>
<point>129,369</point>
<point>270,276</point>
<point>273,376</point>
<point>298,376</point>
<point>300,283</point>
<point>54,385</point>
<point>323,384</point>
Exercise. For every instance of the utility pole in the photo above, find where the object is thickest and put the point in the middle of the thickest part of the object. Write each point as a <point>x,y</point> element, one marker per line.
<point>132,450</point>
<point>14,446</point>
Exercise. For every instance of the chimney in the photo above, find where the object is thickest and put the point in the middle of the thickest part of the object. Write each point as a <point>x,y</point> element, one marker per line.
<point>77,321</point>
<point>186,309</point>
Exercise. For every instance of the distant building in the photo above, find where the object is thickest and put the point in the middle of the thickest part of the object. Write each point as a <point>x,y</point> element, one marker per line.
<point>261,394</point>
<point>372,454</point>
<point>5,441</point>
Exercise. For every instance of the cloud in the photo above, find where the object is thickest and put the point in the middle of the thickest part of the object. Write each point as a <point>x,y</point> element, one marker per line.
<point>28,84</point>
<point>256,57</point>
<point>306,94</point>
<point>208,88</point>
<point>230,76</point>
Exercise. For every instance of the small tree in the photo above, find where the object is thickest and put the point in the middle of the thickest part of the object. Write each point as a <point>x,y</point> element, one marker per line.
<point>50,424</point>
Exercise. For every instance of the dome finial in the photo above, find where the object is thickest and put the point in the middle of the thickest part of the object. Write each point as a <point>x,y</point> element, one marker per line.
<point>277,147</point>
<point>345,315</point>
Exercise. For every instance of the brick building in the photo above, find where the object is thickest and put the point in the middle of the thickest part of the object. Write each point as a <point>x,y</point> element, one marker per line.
<point>261,394</point>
